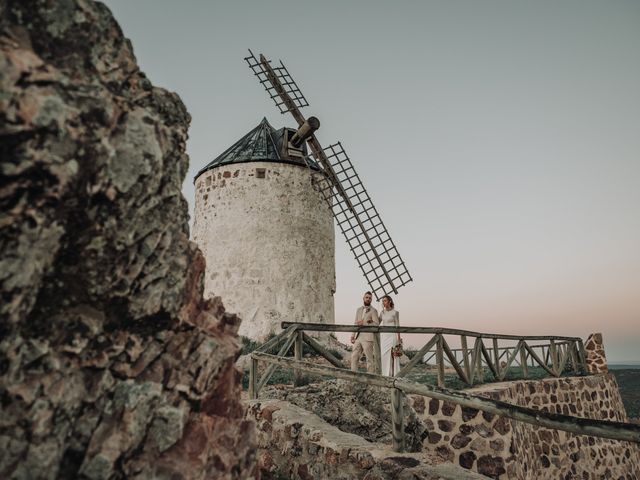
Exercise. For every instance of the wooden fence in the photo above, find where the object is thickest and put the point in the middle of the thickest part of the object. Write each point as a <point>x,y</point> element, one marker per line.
<point>468,362</point>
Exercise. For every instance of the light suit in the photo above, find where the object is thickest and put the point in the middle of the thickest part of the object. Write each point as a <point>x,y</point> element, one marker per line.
<point>364,340</point>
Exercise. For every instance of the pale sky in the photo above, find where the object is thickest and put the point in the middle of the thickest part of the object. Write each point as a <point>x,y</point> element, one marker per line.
<point>499,140</point>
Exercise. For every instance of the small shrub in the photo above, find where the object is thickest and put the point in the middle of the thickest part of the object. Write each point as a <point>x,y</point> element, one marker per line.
<point>410,352</point>
<point>248,345</point>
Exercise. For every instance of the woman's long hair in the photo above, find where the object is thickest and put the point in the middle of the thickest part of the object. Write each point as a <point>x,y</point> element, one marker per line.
<point>391,304</point>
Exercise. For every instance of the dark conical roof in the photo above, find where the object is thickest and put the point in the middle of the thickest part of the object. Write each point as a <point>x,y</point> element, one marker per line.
<point>259,145</point>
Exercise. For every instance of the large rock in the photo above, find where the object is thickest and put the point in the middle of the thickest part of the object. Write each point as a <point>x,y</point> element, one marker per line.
<point>353,408</point>
<point>111,363</point>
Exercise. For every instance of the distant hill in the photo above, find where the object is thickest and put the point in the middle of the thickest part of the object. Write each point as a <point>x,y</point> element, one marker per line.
<point>629,383</point>
<point>623,365</point>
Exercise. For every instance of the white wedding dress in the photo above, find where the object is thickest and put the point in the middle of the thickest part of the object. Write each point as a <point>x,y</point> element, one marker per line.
<point>390,364</point>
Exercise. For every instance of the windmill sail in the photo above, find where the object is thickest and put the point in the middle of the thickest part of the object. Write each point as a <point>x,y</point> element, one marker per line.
<point>283,83</point>
<point>341,187</point>
<point>361,225</point>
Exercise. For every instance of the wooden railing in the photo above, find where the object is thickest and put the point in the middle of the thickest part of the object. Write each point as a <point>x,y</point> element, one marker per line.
<point>553,357</point>
<point>580,426</point>
<point>470,360</point>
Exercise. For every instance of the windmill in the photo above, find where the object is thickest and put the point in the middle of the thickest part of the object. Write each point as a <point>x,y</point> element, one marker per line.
<point>338,182</point>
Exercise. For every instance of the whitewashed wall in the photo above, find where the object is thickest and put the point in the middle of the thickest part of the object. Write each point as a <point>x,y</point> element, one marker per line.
<point>269,244</point>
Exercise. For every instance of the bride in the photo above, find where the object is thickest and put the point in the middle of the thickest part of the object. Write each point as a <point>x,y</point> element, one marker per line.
<point>389,318</point>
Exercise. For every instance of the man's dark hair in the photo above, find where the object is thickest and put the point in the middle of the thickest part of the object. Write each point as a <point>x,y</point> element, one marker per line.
<point>368,293</point>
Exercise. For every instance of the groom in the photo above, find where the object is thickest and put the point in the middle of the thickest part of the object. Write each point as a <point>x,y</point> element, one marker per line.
<point>363,342</point>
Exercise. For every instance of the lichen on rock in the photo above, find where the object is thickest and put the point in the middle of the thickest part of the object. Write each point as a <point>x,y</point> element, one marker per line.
<point>112,364</point>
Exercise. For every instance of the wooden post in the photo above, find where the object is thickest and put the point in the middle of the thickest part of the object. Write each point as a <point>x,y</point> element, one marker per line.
<point>253,379</point>
<point>573,349</point>
<point>496,358</point>
<point>523,360</point>
<point>564,356</point>
<point>546,355</point>
<point>533,361</point>
<point>440,361</point>
<point>397,420</point>
<point>465,358</point>
<point>553,352</point>
<point>298,376</point>
<point>477,354</point>
<point>583,356</point>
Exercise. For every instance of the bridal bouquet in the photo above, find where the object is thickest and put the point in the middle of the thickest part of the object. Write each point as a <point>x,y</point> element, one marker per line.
<point>396,351</point>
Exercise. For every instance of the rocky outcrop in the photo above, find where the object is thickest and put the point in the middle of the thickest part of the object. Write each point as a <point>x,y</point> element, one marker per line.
<point>354,408</point>
<point>111,363</point>
<point>296,444</point>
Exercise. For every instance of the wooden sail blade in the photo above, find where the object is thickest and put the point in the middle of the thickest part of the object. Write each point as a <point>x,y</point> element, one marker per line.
<point>361,225</point>
<point>278,83</point>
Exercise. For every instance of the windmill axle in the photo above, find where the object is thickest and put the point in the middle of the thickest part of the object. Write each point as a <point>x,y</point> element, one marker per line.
<point>310,125</point>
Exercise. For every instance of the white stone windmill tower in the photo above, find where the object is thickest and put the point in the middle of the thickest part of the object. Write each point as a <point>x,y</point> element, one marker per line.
<point>264,217</point>
<point>266,233</point>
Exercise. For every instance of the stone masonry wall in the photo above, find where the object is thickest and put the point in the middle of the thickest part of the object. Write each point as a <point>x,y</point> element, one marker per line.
<point>596,358</point>
<point>269,237</point>
<point>501,448</point>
